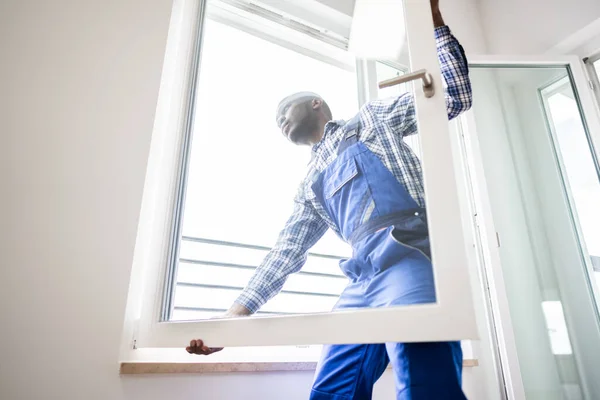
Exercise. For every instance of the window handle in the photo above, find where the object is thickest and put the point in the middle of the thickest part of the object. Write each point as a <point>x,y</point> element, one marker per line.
<point>422,74</point>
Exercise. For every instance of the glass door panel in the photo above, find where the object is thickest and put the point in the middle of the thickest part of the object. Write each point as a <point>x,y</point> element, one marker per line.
<point>543,182</point>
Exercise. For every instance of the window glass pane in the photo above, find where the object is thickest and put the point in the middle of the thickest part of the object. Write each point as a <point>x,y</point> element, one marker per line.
<point>244,174</point>
<point>217,275</point>
<point>385,72</point>
<point>230,254</point>
<point>578,163</point>
<point>210,298</point>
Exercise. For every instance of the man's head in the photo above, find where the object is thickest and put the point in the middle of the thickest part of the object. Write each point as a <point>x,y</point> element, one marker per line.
<point>302,117</point>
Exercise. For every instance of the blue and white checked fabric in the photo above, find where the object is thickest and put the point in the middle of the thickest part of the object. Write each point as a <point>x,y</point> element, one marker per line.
<point>384,124</point>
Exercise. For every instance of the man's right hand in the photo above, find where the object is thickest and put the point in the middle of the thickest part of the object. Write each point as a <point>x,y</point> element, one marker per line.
<point>197,345</point>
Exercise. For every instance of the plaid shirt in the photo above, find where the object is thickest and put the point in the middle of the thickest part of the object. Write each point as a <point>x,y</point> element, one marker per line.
<point>395,118</point>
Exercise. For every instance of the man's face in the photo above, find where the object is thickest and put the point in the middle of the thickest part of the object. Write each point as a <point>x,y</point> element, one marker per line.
<point>298,121</point>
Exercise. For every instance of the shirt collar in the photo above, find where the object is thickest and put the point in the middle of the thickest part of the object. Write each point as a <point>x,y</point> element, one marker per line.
<point>329,127</point>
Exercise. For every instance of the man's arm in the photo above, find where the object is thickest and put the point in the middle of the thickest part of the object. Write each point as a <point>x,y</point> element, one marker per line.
<point>399,112</point>
<point>302,230</point>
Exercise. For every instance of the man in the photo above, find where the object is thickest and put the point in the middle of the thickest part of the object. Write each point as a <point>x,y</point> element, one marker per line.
<point>366,184</point>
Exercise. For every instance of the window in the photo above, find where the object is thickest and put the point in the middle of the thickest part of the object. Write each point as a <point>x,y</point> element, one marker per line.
<point>223,228</point>
<point>243,175</point>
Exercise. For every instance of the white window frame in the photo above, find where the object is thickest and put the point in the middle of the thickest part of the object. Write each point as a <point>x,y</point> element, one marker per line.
<point>451,318</point>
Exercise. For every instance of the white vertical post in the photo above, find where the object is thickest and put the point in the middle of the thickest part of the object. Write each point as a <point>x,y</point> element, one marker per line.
<point>441,190</point>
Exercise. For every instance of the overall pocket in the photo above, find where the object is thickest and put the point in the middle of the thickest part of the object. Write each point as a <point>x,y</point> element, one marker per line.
<point>346,195</point>
<point>338,177</point>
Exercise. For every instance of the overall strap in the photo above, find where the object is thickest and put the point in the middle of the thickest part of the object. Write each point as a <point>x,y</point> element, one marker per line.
<point>352,129</point>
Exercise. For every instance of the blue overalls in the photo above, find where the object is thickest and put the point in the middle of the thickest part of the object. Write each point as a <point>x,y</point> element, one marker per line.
<point>390,265</point>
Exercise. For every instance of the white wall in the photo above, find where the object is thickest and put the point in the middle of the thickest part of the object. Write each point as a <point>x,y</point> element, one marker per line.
<point>462,16</point>
<point>533,26</point>
<point>79,89</point>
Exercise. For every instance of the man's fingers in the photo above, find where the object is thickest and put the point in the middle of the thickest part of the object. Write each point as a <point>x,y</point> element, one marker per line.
<point>197,347</point>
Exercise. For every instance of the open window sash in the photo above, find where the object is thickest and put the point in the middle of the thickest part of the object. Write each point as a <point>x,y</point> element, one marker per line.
<point>452,317</point>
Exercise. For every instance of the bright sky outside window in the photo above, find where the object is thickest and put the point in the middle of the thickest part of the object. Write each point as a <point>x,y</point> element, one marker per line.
<point>244,174</point>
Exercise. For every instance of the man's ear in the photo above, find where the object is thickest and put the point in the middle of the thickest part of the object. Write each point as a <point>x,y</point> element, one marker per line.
<point>316,104</point>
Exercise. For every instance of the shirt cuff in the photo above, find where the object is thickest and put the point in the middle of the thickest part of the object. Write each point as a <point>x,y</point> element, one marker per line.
<point>443,36</point>
<point>251,299</point>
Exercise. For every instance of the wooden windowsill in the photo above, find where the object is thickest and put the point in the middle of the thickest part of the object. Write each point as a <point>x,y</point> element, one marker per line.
<point>144,368</point>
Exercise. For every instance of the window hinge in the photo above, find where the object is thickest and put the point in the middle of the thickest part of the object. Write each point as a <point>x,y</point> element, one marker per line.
<point>498,239</point>
<point>592,85</point>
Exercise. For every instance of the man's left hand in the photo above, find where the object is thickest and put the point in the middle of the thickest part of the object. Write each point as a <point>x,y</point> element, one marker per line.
<point>436,13</point>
